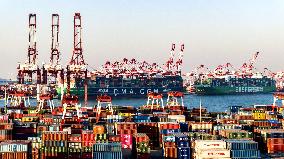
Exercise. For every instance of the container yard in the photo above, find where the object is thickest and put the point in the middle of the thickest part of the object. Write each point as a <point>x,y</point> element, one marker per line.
<point>150,131</point>
<point>165,127</point>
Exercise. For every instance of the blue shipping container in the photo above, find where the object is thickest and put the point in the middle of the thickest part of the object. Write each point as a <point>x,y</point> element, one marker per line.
<point>107,155</point>
<point>183,127</point>
<point>182,144</point>
<point>169,131</point>
<point>245,153</point>
<point>242,145</point>
<point>183,152</point>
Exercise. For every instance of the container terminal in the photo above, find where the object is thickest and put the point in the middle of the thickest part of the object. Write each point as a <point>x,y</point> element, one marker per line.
<point>159,129</point>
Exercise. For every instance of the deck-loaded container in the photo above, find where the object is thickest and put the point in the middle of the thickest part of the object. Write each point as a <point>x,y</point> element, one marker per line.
<point>210,149</point>
<point>243,149</point>
<point>141,148</point>
<point>15,149</point>
<point>55,144</point>
<point>107,151</point>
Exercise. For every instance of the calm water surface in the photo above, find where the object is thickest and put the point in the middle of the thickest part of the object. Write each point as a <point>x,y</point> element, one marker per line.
<point>212,103</point>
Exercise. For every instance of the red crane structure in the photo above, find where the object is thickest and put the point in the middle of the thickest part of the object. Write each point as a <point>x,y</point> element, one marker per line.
<point>179,61</point>
<point>226,69</point>
<point>248,67</point>
<point>30,67</point>
<point>170,62</point>
<point>103,100</point>
<point>155,101</point>
<point>173,97</point>
<point>77,67</point>
<point>52,69</point>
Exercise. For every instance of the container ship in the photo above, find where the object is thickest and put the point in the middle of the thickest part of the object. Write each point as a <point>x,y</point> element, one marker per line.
<point>130,78</point>
<point>127,87</point>
<point>235,85</point>
<point>226,79</point>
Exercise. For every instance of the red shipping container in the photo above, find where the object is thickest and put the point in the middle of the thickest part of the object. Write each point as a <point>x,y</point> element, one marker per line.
<point>126,141</point>
<point>141,137</point>
<point>275,141</point>
<point>115,138</point>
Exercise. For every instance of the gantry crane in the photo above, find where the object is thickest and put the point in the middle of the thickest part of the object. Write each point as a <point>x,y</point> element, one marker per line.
<point>53,69</point>
<point>175,98</point>
<point>248,67</point>
<point>155,100</point>
<point>179,61</point>
<point>77,68</point>
<point>29,68</point>
<point>103,100</point>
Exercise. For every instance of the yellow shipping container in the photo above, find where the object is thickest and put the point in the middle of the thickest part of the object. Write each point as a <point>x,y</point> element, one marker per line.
<point>125,114</point>
<point>259,116</point>
<point>29,119</point>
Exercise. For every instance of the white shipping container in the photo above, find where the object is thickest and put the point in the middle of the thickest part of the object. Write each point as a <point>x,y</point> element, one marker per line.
<point>213,153</point>
<point>201,126</point>
<point>209,144</point>
<point>75,145</point>
<point>114,117</point>
<point>13,147</point>
<point>68,130</point>
<point>18,111</point>
<point>178,118</point>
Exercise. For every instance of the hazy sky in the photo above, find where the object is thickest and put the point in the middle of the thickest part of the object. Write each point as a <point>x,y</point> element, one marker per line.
<point>214,31</point>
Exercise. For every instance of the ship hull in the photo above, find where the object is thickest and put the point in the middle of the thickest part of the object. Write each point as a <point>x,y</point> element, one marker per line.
<point>223,90</point>
<point>121,92</point>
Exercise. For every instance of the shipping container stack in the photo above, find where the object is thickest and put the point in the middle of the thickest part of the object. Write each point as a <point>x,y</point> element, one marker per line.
<point>166,129</point>
<point>16,114</point>
<point>272,141</point>
<point>160,117</point>
<point>175,109</point>
<point>107,151</point>
<point>100,135</point>
<point>201,136</point>
<point>176,118</point>
<point>15,150</point>
<point>151,130</point>
<point>236,134</point>
<point>142,118</point>
<point>169,148</point>
<point>183,146</point>
<point>175,144</point>
<point>36,145</point>
<point>195,115</point>
<point>74,146</point>
<point>54,144</point>
<point>126,131</point>
<point>141,148</point>
<point>114,118</point>
<point>88,140</point>
<point>219,127</point>
<point>243,149</point>
<point>101,138</point>
<point>126,128</point>
<point>212,149</point>
<point>6,128</point>
<point>206,127</point>
<point>23,130</point>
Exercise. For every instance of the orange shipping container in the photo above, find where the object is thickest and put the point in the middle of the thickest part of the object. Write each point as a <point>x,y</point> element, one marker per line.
<point>13,155</point>
<point>170,152</point>
<point>99,129</point>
